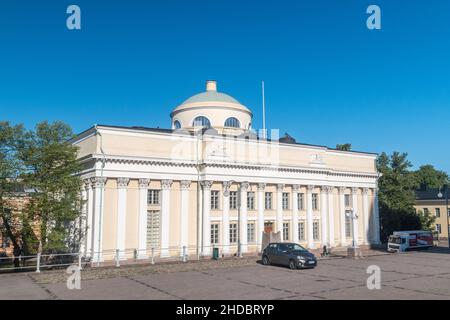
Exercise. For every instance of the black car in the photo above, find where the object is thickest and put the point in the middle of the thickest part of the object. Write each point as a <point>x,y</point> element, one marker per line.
<point>292,255</point>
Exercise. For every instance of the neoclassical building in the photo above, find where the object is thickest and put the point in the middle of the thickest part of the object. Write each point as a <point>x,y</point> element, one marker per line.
<point>211,181</point>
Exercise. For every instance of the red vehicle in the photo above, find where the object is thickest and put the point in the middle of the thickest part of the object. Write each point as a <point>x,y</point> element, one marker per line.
<point>405,240</point>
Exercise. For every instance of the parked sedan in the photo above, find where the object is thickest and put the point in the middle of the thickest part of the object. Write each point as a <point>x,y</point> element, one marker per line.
<point>292,255</point>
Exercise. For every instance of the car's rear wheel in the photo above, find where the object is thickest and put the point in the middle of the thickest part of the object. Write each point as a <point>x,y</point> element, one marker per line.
<point>292,265</point>
<point>265,261</point>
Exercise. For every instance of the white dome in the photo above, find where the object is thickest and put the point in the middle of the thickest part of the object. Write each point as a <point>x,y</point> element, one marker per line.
<point>212,108</point>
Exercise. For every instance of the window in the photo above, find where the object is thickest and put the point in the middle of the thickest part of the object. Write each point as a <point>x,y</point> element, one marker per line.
<point>438,227</point>
<point>285,201</point>
<point>153,228</point>
<point>268,200</point>
<point>300,201</point>
<point>316,230</point>
<point>232,122</point>
<point>250,200</point>
<point>251,232</point>
<point>201,122</point>
<point>214,200</point>
<point>448,212</point>
<point>233,232</point>
<point>286,231</point>
<point>437,211</point>
<point>301,231</point>
<point>233,199</point>
<point>315,201</point>
<point>425,211</point>
<point>348,224</point>
<point>348,200</point>
<point>214,233</point>
<point>177,124</point>
<point>153,197</point>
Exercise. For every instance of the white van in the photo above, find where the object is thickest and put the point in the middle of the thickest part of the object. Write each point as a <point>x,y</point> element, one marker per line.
<point>401,241</point>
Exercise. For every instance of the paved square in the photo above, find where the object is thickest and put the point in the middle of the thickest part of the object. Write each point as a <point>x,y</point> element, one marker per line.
<point>413,275</point>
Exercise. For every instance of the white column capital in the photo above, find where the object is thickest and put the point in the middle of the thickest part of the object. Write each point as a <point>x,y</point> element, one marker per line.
<point>280,186</point>
<point>310,187</point>
<point>166,184</point>
<point>354,190</point>
<point>365,191</point>
<point>342,190</point>
<point>261,186</point>
<point>87,184</point>
<point>226,187</point>
<point>185,184</point>
<point>98,182</point>
<point>245,185</point>
<point>144,183</point>
<point>207,184</point>
<point>122,182</point>
<point>296,187</point>
<point>324,189</point>
<point>329,189</point>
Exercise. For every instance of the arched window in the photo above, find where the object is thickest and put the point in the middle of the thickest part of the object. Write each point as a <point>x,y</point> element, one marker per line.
<point>177,124</point>
<point>201,121</point>
<point>232,122</point>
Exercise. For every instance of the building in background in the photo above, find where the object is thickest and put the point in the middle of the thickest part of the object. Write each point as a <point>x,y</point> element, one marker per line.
<point>429,202</point>
<point>211,181</point>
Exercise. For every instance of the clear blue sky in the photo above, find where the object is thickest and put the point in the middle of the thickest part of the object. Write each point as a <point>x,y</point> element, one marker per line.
<point>328,78</point>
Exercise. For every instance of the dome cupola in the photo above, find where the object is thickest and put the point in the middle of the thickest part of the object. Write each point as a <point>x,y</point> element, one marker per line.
<point>212,109</point>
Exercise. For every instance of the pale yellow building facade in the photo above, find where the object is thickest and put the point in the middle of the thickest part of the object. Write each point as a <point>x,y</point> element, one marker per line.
<point>433,202</point>
<point>211,182</point>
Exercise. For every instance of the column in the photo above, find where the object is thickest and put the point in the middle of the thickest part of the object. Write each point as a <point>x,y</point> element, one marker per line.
<point>260,229</point>
<point>89,218</point>
<point>309,216</point>
<point>376,218</point>
<point>142,231</point>
<point>323,215</point>
<point>356,216</point>
<point>166,185</point>
<point>83,216</point>
<point>330,216</point>
<point>343,239</point>
<point>122,184</point>
<point>206,247</point>
<point>280,188</point>
<point>243,216</point>
<point>295,191</point>
<point>97,230</point>
<point>366,215</point>
<point>226,218</point>
<point>184,215</point>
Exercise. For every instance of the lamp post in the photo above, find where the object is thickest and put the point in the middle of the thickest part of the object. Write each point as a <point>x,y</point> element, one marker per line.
<point>440,195</point>
<point>351,214</point>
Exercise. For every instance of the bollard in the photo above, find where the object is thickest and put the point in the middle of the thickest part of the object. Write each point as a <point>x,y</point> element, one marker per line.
<point>184,254</point>
<point>153,256</point>
<point>135,254</point>
<point>117,258</point>
<point>38,264</point>
<point>79,261</point>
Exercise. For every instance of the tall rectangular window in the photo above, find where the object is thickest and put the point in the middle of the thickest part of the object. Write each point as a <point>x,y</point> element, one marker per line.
<point>251,232</point>
<point>285,200</point>
<point>250,200</point>
<point>214,200</point>
<point>425,211</point>
<point>300,201</point>
<point>153,217</point>
<point>301,231</point>
<point>153,197</point>
<point>233,199</point>
<point>315,201</point>
<point>214,233</point>
<point>268,200</point>
<point>348,200</point>
<point>438,228</point>
<point>437,212</point>
<point>233,232</point>
<point>316,230</point>
<point>286,231</point>
<point>348,225</point>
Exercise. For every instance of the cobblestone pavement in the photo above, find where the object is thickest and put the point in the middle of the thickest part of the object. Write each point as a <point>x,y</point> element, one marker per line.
<point>412,275</point>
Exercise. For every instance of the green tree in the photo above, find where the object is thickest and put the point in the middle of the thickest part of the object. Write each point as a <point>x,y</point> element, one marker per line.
<point>397,186</point>
<point>344,147</point>
<point>45,160</point>
<point>428,177</point>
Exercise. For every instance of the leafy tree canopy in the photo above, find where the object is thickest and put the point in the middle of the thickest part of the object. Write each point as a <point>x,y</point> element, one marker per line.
<point>344,147</point>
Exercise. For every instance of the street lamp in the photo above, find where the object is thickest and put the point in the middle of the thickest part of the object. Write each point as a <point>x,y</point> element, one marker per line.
<point>440,195</point>
<point>353,216</point>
